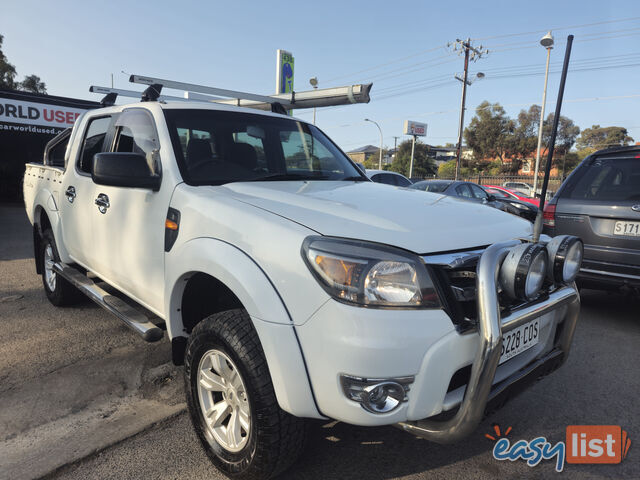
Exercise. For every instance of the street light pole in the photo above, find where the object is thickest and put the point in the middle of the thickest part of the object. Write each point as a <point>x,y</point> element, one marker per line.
<point>376,124</point>
<point>547,42</point>
<point>314,83</point>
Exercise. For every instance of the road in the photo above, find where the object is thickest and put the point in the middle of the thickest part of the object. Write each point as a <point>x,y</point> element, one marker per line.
<point>83,397</point>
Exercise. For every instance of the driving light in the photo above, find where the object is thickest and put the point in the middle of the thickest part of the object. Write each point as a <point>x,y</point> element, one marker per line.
<point>523,271</point>
<point>369,274</point>
<point>565,257</point>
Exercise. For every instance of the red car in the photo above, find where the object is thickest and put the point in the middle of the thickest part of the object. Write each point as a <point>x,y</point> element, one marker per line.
<point>506,193</point>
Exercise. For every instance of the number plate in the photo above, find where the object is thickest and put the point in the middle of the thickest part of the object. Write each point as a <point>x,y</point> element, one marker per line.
<point>629,229</point>
<point>519,339</point>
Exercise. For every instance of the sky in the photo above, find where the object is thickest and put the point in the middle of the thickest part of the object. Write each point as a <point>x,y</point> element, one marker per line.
<point>399,46</point>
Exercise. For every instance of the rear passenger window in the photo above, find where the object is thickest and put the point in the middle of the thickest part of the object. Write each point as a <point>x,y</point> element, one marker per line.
<point>606,179</point>
<point>93,142</point>
<point>463,191</point>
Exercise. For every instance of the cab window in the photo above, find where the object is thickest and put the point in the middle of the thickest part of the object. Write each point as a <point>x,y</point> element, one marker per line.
<point>93,142</point>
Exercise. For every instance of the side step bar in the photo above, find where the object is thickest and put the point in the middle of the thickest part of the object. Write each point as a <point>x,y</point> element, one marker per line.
<point>135,320</point>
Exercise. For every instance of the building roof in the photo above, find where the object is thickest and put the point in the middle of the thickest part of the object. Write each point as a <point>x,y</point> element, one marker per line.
<point>366,149</point>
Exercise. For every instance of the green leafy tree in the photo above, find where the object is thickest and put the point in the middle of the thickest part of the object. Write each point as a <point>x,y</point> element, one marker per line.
<point>7,71</point>
<point>423,164</point>
<point>490,132</point>
<point>566,136</point>
<point>372,161</point>
<point>32,83</point>
<point>447,169</point>
<point>598,137</point>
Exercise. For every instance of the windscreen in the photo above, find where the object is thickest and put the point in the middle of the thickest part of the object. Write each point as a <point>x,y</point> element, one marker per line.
<point>610,178</point>
<point>214,147</point>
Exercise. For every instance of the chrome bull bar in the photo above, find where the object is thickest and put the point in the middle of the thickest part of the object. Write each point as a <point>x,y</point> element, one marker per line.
<point>490,328</point>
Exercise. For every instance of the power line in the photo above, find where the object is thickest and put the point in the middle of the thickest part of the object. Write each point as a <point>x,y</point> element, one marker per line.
<point>433,49</point>
<point>584,25</point>
<point>375,67</point>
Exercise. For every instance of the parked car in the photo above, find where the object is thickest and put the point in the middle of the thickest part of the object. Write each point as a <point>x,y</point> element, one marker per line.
<point>514,194</point>
<point>521,187</point>
<point>289,285</point>
<point>525,209</point>
<point>388,178</point>
<point>467,191</point>
<point>600,203</point>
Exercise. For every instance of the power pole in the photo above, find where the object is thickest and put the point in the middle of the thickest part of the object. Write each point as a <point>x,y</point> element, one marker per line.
<point>473,54</point>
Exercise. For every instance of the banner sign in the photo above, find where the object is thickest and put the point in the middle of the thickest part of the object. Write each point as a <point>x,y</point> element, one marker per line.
<point>20,112</point>
<point>415,128</point>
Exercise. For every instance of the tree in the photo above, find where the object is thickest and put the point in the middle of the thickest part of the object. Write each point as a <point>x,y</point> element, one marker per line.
<point>423,164</point>
<point>7,71</point>
<point>489,133</point>
<point>566,136</point>
<point>447,169</point>
<point>524,142</point>
<point>598,137</point>
<point>372,161</point>
<point>32,83</point>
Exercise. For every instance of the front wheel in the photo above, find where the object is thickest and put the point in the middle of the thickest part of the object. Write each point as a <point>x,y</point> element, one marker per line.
<point>232,403</point>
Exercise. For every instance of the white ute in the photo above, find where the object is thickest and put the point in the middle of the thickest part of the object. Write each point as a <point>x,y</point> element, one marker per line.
<point>291,286</point>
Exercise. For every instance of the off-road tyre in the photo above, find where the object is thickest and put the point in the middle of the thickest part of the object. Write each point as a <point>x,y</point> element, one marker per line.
<point>276,438</point>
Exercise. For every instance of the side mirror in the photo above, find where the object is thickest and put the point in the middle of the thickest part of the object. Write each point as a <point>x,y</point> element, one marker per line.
<point>121,169</point>
<point>491,198</point>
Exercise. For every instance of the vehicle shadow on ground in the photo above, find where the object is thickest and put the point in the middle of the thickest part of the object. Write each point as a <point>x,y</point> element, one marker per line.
<point>379,453</point>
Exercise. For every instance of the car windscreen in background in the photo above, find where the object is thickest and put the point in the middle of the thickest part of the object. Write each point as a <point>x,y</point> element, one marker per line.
<point>607,179</point>
<point>435,187</point>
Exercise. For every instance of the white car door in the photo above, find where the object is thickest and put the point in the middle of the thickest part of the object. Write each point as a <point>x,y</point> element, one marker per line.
<point>129,232</point>
<point>76,202</point>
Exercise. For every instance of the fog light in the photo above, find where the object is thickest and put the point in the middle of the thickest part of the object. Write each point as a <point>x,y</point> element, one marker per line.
<point>565,258</point>
<point>376,395</point>
<point>523,271</point>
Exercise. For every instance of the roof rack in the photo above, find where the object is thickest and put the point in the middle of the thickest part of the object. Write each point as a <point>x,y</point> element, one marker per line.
<point>280,103</point>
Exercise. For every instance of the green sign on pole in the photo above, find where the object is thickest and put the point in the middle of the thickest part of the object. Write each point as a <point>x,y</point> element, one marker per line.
<point>284,78</point>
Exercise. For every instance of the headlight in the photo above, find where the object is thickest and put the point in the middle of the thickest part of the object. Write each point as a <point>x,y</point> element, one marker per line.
<point>523,271</point>
<point>565,258</point>
<point>368,274</point>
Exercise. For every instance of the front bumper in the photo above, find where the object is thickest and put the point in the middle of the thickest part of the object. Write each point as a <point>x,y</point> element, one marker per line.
<point>373,343</point>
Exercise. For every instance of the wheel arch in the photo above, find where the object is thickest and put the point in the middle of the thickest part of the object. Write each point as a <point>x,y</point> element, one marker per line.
<point>218,276</point>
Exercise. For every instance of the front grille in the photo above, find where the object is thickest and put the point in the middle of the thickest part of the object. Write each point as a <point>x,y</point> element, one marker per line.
<point>457,280</point>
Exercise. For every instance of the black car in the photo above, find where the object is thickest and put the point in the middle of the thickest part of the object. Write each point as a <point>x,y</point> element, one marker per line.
<point>600,203</point>
<point>465,190</point>
<point>524,209</point>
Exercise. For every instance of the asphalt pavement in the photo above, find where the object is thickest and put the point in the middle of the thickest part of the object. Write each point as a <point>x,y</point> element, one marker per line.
<point>85,394</point>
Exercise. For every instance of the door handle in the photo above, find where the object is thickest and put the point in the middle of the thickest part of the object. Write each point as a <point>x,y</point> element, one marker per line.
<point>102,201</point>
<point>71,194</point>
